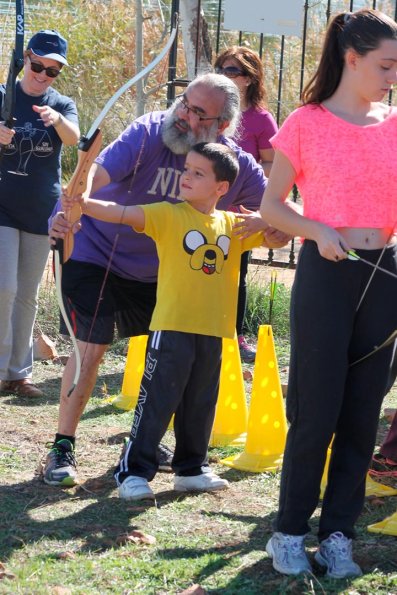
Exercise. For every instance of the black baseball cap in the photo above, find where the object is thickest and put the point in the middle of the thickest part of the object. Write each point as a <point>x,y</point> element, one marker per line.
<point>49,43</point>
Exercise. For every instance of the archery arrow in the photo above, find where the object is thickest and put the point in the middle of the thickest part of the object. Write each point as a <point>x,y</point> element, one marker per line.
<point>273,287</point>
<point>351,255</point>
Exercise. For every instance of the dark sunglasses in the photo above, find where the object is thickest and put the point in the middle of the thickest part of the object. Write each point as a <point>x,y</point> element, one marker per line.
<point>50,70</point>
<point>230,71</point>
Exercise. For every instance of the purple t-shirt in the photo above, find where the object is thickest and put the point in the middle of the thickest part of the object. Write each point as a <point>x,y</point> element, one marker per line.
<point>257,126</point>
<point>142,171</point>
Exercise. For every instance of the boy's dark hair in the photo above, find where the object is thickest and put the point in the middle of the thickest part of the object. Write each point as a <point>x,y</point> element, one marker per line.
<point>224,160</point>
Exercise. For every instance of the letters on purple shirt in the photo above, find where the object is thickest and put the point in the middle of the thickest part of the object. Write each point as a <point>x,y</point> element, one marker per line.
<point>142,171</point>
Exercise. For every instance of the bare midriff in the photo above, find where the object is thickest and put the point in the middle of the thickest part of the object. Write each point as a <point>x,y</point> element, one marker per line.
<point>368,238</point>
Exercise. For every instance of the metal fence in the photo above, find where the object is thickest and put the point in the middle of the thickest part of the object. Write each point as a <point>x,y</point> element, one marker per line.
<point>7,25</point>
<point>288,62</point>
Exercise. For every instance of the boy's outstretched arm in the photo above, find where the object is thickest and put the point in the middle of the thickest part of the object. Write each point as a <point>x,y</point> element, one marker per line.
<point>107,211</point>
<point>114,213</point>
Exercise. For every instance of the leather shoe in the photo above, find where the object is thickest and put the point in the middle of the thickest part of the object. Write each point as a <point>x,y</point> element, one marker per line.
<point>22,388</point>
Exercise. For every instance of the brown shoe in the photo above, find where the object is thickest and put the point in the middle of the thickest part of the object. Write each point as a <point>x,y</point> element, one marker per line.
<point>389,414</point>
<point>22,388</point>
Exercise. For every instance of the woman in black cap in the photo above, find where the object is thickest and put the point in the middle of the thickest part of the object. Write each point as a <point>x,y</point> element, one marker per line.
<point>30,172</point>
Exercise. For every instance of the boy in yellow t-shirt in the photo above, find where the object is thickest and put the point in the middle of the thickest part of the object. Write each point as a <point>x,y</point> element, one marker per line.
<point>199,260</point>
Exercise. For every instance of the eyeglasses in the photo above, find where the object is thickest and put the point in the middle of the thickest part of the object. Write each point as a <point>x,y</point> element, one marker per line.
<point>195,110</point>
<point>50,70</point>
<point>231,72</point>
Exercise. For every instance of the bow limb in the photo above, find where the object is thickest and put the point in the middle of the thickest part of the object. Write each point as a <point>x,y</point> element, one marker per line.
<point>16,65</point>
<point>385,343</point>
<point>351,254</point>
<point>77,185</point>
<point>89,145</point>
<point>58,288</point>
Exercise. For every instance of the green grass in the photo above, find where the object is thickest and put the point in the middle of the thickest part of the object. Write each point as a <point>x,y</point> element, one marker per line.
<point>9,459</point>
<point>51,538</point>
<point>258,308</point>
<point>76,541</point>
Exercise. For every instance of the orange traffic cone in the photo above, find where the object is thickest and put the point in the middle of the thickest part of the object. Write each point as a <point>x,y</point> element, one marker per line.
<point>231,416</point>
<point>267,424</point>
<point>133,371</point>
<point>372,488</point>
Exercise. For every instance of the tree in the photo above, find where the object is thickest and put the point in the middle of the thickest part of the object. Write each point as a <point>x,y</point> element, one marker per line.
<point>196,40</point>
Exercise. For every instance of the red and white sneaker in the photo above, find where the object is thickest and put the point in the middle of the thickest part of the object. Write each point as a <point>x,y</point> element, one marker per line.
<point>247,352</point>
<point>382,467</point>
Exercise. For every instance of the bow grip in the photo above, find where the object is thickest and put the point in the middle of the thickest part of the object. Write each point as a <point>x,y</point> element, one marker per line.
<point>88,151</point>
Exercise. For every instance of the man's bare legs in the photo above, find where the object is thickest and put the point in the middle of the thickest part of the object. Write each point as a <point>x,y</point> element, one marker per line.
<point>72,407</point>
<point>60,465</point>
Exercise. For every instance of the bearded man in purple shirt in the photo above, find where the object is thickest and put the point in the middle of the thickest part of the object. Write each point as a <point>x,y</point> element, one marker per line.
<point>141,166</point>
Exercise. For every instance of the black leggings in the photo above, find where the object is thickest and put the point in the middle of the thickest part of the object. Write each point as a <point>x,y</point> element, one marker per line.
<point>327,396</point>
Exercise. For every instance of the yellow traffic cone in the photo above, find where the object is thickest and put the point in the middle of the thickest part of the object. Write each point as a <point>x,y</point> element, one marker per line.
<point>388,526</point>
<point>372,488</point>
<point>133,371</point>
<point>267,424</point>
<point>231,416</point>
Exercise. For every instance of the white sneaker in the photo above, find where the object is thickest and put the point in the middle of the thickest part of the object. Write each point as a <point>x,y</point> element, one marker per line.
<point>335,554</point>
<point>135,488</point>
<point>206,482</point>
<point>288,553</point>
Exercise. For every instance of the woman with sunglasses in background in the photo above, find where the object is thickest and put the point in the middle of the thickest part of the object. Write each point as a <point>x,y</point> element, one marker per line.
<point>30,171</point>
<point>257,126</point>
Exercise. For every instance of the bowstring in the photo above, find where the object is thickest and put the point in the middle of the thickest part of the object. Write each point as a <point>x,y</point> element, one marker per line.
<point>367,286</point>
<point>117,234</point>
<point>390,338</point>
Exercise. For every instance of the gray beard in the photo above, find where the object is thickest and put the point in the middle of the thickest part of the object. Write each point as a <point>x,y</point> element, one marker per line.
<point>180,142</point>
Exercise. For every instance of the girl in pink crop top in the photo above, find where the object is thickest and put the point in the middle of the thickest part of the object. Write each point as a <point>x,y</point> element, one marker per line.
<point>340,148</point>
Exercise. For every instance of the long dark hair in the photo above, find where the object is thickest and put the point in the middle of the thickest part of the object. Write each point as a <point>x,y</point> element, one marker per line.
<point>252,66</point>
<point>362,31</point>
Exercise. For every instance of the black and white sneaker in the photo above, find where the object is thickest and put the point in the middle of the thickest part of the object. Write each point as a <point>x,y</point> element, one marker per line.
<point>60,465</point>
<point>165,458</point>
<point>165,455</point>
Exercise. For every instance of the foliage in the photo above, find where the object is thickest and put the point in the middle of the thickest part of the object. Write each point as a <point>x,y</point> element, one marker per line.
<point>84,540</point>
<point>74,541</point>
<point>102,58</point>
<point>258,308</point>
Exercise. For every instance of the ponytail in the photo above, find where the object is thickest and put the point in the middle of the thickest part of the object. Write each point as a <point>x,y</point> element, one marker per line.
<point>362,31</point>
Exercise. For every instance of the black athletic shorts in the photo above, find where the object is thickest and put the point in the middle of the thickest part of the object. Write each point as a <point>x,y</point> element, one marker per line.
<point>125,303</point>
